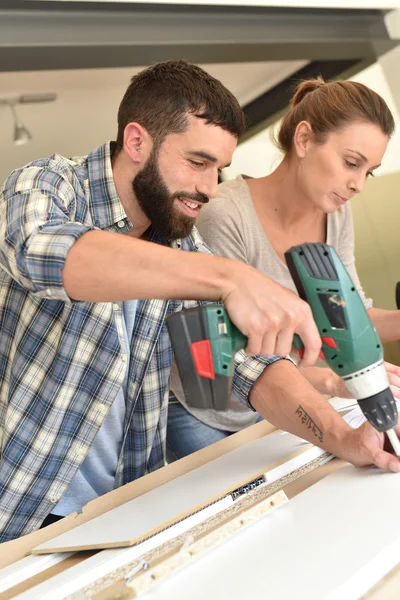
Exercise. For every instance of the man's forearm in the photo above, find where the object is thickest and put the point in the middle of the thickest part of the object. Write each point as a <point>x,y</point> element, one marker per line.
<point>103,266</point>
<point>288,401</point>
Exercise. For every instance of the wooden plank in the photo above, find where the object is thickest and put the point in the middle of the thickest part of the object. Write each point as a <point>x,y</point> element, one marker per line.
<point>54,571</point>
<point>387,589</point>
<point>145,579</point>
<point>28,567</point>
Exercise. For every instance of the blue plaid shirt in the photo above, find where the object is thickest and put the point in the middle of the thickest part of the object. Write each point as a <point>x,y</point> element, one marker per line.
<point>62,362</point>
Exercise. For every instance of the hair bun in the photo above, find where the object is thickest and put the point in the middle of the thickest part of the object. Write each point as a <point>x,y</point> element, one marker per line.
<point>304,87</point>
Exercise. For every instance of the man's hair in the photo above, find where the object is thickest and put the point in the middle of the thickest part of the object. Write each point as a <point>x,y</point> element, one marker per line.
<point>161,97</point>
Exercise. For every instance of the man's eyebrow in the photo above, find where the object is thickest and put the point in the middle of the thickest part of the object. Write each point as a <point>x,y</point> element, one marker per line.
<point>206,156</point>
<point>364,158</point>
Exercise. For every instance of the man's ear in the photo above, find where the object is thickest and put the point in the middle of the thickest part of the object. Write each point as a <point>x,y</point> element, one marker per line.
<point>137,143</point>
<point>302,138</point>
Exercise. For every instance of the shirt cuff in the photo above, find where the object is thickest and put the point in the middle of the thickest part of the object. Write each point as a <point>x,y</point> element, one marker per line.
<point>247,370</point>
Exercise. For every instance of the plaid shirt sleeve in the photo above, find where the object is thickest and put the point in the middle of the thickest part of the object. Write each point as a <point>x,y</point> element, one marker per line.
<point>36,230</point>
<point>247,370</point>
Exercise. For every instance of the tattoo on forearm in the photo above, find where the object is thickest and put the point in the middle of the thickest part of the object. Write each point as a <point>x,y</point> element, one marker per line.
<point>307,420</point>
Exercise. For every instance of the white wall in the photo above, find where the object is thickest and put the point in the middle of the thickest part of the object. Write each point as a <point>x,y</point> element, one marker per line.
<point>259,155</point>
<point>390,66</point>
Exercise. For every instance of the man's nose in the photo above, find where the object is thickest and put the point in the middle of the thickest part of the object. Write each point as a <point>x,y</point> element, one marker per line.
<point>208,186</point>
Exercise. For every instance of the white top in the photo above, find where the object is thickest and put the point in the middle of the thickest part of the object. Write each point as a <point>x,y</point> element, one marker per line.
<point>230,227</point>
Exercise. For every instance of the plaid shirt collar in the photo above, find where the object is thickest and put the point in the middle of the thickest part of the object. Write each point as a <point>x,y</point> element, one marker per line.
<point>106,207</point>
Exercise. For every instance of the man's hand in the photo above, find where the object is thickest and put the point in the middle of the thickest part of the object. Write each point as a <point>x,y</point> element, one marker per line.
<point>365,446</point>
<point>269,314</point>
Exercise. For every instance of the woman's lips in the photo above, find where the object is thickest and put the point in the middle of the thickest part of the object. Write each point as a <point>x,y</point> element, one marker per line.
<point>340,198</point>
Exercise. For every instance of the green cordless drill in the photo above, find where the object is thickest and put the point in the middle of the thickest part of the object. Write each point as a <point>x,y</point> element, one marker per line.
<point>205,340</point>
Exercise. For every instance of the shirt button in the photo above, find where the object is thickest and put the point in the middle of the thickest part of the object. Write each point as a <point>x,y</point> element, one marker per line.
<point>101,408</point>
<point>124,357</point>
<point>121,224</point>
<point>115,307</point>
<point>53,500</point>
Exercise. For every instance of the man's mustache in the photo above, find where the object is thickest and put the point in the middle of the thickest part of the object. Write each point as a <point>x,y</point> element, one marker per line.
<point>191,196</point>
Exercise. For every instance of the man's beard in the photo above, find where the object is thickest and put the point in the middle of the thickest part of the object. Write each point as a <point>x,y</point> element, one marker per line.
<point>157,202</point>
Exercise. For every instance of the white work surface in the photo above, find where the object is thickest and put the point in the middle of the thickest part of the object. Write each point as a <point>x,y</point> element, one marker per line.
<point>151,510</point>
<point>333,541</point>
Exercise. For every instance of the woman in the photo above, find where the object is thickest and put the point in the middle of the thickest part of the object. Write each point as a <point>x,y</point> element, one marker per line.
<point>333,137</point>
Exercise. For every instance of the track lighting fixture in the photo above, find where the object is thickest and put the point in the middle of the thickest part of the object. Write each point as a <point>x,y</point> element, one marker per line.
<point>21,133</point>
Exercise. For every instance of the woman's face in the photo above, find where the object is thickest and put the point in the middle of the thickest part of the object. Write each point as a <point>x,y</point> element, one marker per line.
<point>331,173</point>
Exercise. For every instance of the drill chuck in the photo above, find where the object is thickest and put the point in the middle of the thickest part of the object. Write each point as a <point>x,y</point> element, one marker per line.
<point>370,387</point>
<point>380,410</point>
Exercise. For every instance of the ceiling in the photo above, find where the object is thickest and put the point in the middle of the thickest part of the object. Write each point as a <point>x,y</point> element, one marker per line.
<point>254,52</point>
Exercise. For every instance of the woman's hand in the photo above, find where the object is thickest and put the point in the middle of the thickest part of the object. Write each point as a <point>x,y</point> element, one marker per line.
<point>393,372</point>
<point>327,382</point>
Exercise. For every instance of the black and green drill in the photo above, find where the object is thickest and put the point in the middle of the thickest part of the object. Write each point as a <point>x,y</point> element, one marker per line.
<point>205,341</point>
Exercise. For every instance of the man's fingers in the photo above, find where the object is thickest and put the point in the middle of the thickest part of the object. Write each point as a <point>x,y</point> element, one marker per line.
<point>312,347</point>
<point>307,330</point>
<point>386,461</point>
<point>284,342</point>
<point>284,314</point>
<point>269,343</point>
<point>254,344</point>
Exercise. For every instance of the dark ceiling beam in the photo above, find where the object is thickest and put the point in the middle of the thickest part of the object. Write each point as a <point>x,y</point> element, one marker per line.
<point>69,35</point>
<point>267,108</point>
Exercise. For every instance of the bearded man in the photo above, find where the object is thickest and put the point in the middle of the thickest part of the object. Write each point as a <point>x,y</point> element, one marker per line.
<point>95,253</point>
